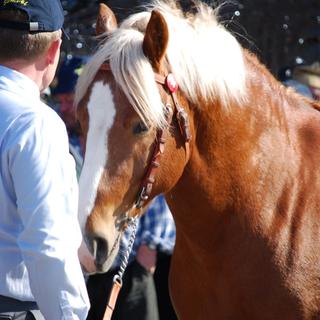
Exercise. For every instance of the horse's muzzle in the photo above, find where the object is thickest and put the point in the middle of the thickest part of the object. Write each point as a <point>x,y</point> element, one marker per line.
<point>99,248</point>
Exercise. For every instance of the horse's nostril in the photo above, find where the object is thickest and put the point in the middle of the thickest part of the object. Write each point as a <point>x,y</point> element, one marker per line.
<point>99,249</point>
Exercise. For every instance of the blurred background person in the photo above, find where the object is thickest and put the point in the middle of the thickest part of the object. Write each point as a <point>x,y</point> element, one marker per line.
<point>285,75</point>
<point>63,94</point>
<point>309,75</point>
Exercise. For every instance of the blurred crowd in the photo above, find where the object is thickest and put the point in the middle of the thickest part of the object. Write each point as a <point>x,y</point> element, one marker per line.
<point>305,79</point>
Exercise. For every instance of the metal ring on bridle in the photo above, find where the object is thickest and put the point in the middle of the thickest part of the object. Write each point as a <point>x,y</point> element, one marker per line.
<point>117,279</point>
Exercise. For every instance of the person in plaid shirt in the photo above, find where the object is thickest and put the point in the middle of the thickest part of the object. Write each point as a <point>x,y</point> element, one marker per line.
<point>156,230</point>
<point>144,294</point>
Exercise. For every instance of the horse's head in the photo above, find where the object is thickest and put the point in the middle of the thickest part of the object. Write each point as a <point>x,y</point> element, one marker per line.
<point>123,114</point>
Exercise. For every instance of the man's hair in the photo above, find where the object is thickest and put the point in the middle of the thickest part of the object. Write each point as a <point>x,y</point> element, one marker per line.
<point>20,44</point>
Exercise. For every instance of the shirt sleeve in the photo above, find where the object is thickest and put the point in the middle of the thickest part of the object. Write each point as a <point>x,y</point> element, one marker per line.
<point>43,173</point>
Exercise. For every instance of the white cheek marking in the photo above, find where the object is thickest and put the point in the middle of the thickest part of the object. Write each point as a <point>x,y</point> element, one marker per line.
<point>101,109</point>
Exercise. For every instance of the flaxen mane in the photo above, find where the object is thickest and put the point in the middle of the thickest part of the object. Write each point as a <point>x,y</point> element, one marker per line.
<point>206,60</point>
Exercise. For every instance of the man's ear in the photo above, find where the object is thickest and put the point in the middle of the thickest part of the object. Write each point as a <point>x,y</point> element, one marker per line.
<point>53,51</point>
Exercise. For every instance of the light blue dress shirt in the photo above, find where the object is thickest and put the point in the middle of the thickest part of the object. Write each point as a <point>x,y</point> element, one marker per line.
<point>39,231</point>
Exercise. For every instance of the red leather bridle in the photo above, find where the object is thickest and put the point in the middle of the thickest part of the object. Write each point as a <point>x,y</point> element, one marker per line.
<point>177,112</point>
<point>170,85</point>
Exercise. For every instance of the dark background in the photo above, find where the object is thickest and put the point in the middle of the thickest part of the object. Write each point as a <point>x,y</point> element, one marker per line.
<point>282,33</point>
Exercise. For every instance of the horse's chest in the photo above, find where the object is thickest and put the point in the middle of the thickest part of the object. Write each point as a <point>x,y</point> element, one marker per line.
<point>241,283</point>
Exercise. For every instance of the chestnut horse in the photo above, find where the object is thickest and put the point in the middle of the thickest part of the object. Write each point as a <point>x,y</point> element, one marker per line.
<point>239,163</point>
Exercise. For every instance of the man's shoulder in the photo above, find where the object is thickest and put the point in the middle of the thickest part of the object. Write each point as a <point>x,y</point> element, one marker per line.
<point>18,121</point>
<point>14,105</point>
<point>46,112</point>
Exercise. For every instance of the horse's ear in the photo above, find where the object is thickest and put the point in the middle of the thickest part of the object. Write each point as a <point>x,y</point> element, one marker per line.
<point>106,20</point>
<point>156,39</point>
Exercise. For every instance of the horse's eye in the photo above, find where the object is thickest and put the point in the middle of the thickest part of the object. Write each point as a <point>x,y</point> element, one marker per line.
<point>140,128</point>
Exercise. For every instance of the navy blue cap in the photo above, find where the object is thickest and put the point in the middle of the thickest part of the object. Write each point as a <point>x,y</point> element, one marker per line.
<point>68,74</point>
<point>43,15</point>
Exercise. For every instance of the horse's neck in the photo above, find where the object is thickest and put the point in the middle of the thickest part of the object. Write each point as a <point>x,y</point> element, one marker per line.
<point>224,170</point>
<point>204,190</point>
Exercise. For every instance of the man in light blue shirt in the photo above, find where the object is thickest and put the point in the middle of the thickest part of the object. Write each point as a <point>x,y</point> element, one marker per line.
<point>39,231</point>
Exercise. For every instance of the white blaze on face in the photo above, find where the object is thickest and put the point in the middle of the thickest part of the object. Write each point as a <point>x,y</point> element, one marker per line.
<point>101,110</point>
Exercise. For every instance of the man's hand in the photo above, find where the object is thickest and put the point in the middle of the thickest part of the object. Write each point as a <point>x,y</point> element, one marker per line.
<point>147,258</point>
<point>86,259</point>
